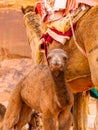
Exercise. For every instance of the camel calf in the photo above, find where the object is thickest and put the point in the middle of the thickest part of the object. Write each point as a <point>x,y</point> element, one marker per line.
<point>45,90</point>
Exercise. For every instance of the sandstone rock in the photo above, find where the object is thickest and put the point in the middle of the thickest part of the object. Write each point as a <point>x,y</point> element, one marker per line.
<point>15,3</point>
<point>13,38</point>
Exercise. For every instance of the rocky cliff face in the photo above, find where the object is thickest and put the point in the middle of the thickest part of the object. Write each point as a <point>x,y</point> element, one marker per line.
<point>15,3</point>
<point>13,44</point>
<point>13,38</point>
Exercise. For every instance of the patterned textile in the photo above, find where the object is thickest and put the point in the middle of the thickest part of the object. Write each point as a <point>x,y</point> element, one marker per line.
<point>73,4</point>
<point>56,15</point>
<point>88,2</point>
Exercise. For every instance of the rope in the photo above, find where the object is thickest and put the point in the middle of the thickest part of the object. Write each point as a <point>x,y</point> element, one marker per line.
<point>74,37</point>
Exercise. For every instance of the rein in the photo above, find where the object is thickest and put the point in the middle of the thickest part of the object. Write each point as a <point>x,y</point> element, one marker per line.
<point>46,40</point>
<point>74,37</point>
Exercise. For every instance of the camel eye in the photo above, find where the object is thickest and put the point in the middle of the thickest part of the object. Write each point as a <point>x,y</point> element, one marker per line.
<point>64,58</point>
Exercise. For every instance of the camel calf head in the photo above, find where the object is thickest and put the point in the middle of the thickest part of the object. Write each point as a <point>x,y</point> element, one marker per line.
<point>57,59</point>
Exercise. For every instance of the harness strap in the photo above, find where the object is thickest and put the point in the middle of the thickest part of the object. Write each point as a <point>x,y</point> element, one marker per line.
<point>46,40</point>
<point>75,41</point>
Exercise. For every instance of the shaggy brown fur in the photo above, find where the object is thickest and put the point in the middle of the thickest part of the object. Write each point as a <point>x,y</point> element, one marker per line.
<point>43,89</point>
<point>34,32</point>
<point>27,9</point>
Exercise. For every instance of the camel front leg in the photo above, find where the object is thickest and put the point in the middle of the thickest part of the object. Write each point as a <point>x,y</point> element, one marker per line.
<point>78,112</point>
<point>85,109</point>
<point>96,122</point>
<point>25,116</point>
<point>13,112</point>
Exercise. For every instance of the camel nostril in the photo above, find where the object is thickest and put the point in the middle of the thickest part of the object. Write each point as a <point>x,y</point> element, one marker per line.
<point>55,63</point>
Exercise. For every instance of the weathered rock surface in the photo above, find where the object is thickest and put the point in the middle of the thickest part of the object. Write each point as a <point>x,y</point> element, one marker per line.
<point>15,52</point>
<point>12,71</point>
<point>15,3</point>
<point>13,38</point>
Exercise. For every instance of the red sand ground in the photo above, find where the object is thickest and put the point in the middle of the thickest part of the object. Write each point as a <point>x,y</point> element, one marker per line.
<point>12,71</point>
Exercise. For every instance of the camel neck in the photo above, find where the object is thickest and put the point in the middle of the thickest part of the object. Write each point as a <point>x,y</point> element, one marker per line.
<point>59,77</point>
<point>61,88</point>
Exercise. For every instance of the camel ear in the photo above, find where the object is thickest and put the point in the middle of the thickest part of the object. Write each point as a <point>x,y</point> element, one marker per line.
<point>23,10</point>
<point>26,9</point>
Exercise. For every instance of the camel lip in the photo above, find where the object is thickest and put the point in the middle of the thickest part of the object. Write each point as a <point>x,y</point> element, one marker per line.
<point>58,67</point>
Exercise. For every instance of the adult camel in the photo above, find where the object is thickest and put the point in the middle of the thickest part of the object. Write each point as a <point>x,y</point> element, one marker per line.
<point>82,72</point>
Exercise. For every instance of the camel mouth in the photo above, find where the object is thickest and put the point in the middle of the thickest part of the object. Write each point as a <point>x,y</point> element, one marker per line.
<point>57,67</point>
